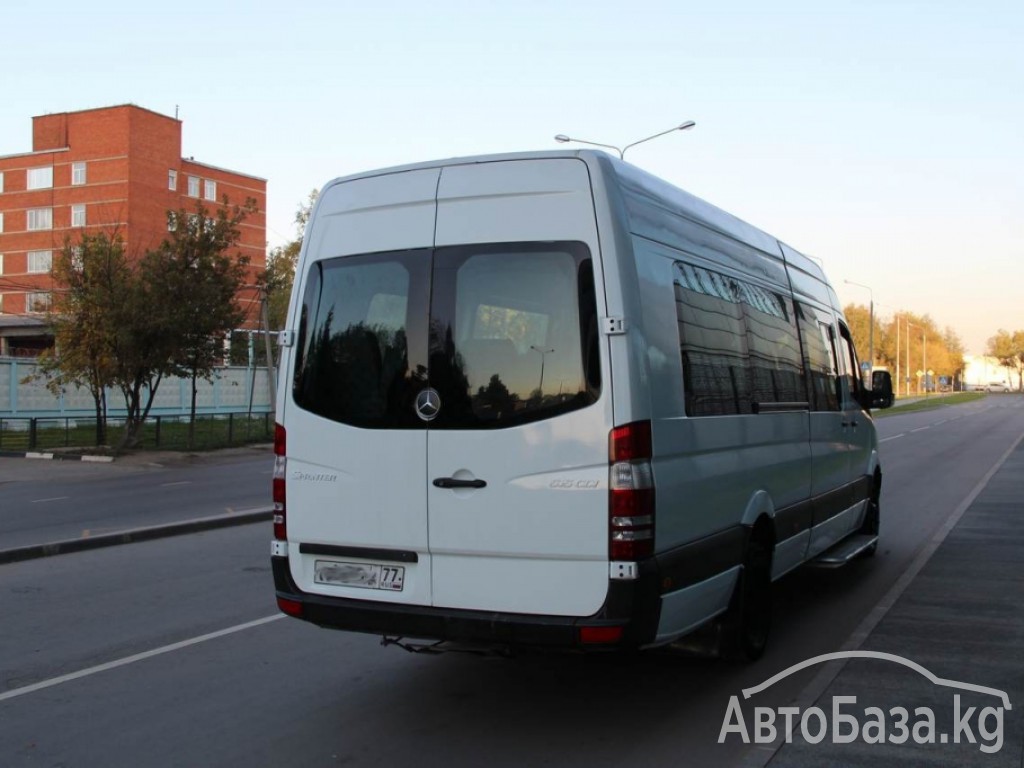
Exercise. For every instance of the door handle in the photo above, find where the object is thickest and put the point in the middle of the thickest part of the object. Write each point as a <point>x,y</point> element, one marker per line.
<point>451,482</point>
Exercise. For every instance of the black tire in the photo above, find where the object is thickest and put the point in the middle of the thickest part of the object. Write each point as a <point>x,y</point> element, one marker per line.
<point>872,518</point>
<point>745,627</point>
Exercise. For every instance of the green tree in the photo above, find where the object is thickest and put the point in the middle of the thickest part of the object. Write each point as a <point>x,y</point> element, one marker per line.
<point>200,279</point>
<point>276,280</point>
<point>143,346</point>
<point>93,280</point>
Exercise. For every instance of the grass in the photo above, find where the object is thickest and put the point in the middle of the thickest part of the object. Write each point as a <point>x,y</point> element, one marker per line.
<point>929,403</point>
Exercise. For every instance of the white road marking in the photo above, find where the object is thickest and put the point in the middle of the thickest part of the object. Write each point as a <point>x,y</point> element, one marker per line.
<point>137,657</point>
<point>180,482</point>
<point>919,429</point>
<point>894,437</point>
<point>52,498</point>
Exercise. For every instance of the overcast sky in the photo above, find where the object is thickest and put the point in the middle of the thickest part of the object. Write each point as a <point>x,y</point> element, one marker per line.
<point>886,138</point>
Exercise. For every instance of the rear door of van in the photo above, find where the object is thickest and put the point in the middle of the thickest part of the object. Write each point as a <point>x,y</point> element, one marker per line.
<point>517,454</point>
<point>357,453</point>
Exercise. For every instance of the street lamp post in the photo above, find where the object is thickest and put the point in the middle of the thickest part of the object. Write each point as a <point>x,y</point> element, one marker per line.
<point>871,321</point>
<point>909,325</point>
<point>924,361</point>
<point>563,139</point>
<point>896,318</point>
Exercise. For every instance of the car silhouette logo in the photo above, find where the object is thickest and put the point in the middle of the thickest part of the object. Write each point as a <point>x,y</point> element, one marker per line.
<point>428,403</point>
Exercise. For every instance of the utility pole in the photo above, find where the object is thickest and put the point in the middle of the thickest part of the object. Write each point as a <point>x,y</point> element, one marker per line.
<point>271,367</point>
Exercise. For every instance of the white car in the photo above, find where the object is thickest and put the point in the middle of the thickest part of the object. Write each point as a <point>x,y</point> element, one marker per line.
<point>997,386</point>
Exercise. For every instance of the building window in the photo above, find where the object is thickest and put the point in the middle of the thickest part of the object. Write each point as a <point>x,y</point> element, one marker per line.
<point>1,181</point>
<point>193,186</point>
<point>1,221</point>
<point>78,215</point>
<point>77,173</point>
<point>37,302</point>
<point>40,178</point>
<point>172,180</point>
<point>76,258</point>
<point>40,262</point>
<point>210,190</point>
<point>1,264</point>
<point>40,218</point>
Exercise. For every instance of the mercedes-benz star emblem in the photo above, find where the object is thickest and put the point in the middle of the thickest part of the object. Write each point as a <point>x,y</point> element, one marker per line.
<point>428,403</point>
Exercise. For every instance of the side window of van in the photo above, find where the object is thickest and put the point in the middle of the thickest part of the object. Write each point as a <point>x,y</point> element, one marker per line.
<point>738,343</point>
<point>712,342</point>
<point>851,371</point>
<point>776,367</point>
<point>820,353</point>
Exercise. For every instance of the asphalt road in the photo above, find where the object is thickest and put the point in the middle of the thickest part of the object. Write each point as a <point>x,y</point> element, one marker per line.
<point>45,501</point>
<point>158,689</point>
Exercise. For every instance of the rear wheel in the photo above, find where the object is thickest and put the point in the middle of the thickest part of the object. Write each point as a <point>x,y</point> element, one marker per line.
<point>745,627</point>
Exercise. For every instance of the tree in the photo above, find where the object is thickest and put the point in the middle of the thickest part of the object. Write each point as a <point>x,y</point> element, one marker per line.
<point>200,282</point>
<point>93,281</point>
<point>858,318</point>
<point>942,352</point>
<point>276,280</point>
<point>1009,349</point>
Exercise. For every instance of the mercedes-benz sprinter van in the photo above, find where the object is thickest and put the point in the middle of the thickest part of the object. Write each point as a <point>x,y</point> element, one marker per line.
<point>550,400</point>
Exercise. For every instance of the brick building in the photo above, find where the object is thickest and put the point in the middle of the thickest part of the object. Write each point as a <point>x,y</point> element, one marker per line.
<point>109,169</point>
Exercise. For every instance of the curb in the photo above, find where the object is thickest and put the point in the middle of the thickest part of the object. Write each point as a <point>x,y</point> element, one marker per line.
<point>33,551</point>
<point>55,456</point>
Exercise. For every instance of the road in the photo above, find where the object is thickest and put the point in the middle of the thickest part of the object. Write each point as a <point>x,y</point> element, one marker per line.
<point>274,691</point>
<point>46,501</point>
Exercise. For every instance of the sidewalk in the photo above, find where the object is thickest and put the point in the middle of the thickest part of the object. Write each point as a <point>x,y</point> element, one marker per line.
<point>961,617</point>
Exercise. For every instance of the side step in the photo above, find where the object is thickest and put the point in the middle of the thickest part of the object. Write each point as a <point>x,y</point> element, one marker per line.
<point>845,551</point>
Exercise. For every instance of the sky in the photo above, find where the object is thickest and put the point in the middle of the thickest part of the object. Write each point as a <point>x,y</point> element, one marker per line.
<point>885,138</point>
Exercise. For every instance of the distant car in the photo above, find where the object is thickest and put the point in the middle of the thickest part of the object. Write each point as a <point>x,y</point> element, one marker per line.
<point>997,386</point>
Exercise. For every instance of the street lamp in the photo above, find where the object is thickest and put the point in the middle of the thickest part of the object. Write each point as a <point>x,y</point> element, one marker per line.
<point>924,356</point>
<point>871,321</point>
<point>909,326</point>
<point>563,139</point>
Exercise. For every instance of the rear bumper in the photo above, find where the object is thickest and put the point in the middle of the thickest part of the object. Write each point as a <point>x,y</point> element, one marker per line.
<point>633,605</point>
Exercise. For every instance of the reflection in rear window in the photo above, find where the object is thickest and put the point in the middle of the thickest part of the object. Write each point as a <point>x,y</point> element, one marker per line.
<point>513,333</point>
<point>505,334</point>
<point>354,362</point>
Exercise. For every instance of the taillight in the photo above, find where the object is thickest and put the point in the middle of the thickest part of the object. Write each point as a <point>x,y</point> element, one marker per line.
<point>631,499</point>
<point>280,469</point>
<point>291,607</point>
<point>601,635</point>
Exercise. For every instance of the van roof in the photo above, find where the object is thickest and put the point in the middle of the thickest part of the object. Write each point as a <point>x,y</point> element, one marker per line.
<point>629,175</point>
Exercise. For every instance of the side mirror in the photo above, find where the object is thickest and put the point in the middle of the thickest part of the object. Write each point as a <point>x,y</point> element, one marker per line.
<point>881,389</point>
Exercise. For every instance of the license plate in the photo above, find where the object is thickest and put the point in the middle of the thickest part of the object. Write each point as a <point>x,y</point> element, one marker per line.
<point>362,575</point>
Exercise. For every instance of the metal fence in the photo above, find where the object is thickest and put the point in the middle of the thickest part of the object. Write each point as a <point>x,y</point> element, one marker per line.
<point>233,389</point>
<point>218,430</point>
